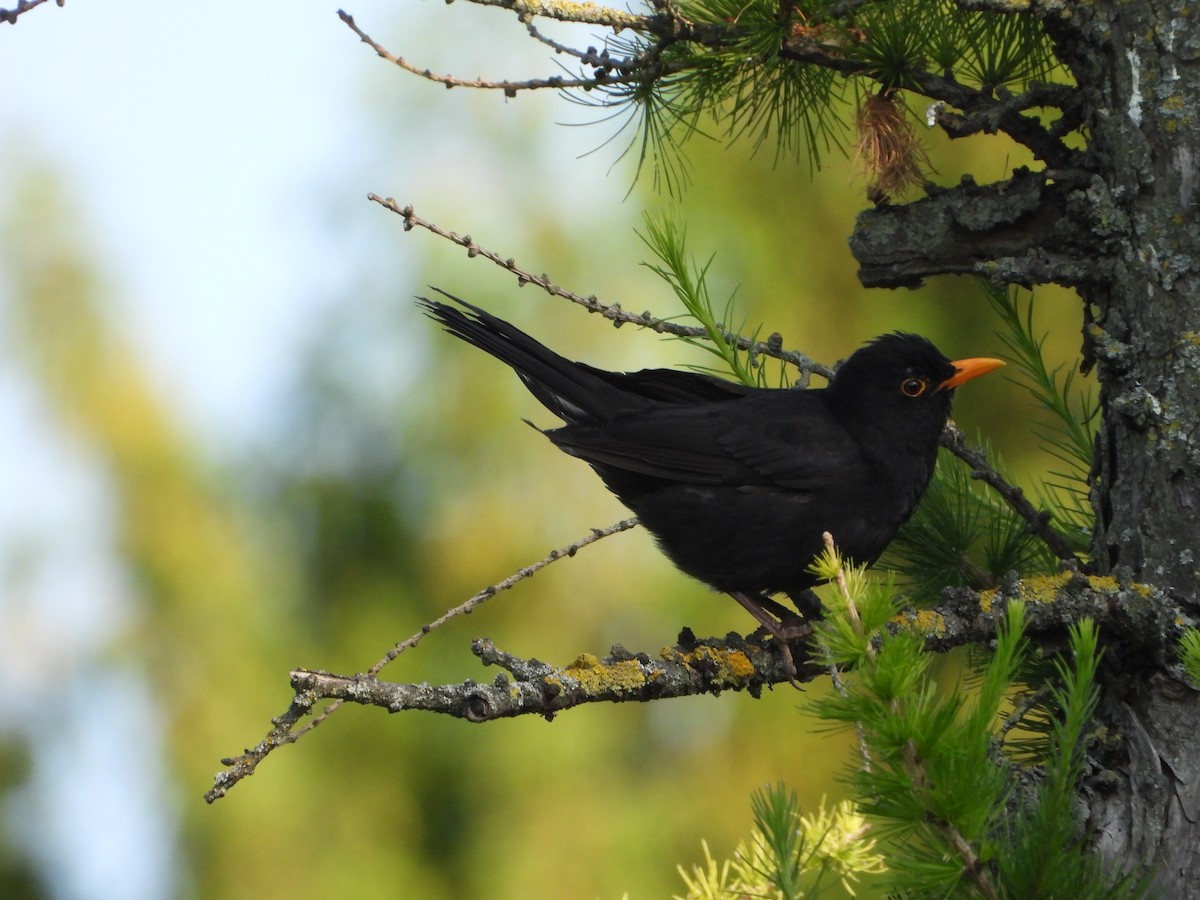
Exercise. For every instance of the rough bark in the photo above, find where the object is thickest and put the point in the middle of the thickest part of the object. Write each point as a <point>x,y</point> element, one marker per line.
<point>1137,66</point>
<point>1031,229</point>
<point>1122,225</point>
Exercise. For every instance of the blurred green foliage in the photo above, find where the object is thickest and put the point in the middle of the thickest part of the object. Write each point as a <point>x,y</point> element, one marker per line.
<point>380,505</point>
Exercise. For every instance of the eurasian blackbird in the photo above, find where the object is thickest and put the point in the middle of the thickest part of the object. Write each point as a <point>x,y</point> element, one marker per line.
<point>738,483</point>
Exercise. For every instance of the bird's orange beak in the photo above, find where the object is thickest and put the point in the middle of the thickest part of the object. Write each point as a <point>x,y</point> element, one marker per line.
<point>966,369</point>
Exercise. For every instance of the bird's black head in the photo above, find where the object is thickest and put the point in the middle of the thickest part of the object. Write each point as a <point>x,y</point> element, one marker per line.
<point>899,387</point>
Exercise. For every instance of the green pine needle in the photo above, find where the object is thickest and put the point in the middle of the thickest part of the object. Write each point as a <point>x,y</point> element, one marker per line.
<point>956,811</point>
<point>1189,655</point>
<point>1069,436</point>
<point>689,280</point>
<point>776,810</point>
<point>962,535</point>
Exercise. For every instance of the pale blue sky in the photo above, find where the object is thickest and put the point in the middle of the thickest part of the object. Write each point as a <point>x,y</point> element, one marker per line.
<point>218,159</point>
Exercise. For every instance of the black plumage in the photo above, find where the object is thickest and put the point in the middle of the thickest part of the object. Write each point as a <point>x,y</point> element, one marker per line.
<point>737,483</point>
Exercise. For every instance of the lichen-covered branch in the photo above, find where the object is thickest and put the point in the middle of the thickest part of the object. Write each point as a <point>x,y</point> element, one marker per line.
<point>1140,625</point>
<point>532,687</point>
<point>1035,228</point>
<point>692,667</point>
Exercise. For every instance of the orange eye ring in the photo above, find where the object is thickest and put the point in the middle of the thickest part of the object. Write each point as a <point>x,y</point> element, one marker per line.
<point>913,387</point>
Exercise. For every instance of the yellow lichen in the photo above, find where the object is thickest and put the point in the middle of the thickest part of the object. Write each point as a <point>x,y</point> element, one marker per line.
<point>986,599</point>
<point>599,677</point>
<point>730,666</point>
<point>1043,588</point>
<point>928,621</point>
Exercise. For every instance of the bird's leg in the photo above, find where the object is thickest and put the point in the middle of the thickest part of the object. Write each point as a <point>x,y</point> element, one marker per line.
<point>808,603</point>
<point>784,629</point>
<point>778,610</point>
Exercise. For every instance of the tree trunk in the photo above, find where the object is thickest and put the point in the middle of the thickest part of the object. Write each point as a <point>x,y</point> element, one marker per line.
<point>1120,222</point>
<point>1137,66</point>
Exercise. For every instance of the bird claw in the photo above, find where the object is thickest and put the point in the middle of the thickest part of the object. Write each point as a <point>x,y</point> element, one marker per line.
<point>784,635</point>
<point>784,627</point>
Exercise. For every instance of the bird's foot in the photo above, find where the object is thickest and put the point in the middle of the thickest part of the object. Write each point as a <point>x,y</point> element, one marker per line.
<point>790,633</point>
<point>786,630</point>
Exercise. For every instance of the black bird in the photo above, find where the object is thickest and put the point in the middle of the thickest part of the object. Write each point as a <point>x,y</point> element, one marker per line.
<point>738,483</point>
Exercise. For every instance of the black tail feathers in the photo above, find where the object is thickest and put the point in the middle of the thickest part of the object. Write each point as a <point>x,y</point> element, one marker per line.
<point>570,390</point>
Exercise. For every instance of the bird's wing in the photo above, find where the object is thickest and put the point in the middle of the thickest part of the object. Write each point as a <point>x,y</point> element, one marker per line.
<point>673,385</point>
<point>784,439</point>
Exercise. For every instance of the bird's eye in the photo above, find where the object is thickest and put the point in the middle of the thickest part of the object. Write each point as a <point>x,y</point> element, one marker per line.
<point>913,387</point>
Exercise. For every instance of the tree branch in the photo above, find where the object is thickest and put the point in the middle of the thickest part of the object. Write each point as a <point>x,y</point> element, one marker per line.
<point>634,71</point>
<point>980,110</point>
<point>22,7</point>
<point>983,113</point>
<point>1015,7</point>
<point>1036,228</point>
<point>1038,521</point>
<point>583,13</point>
<point>1140,624</point>
<point>772,347</point>
<point>286,728</point>
<point>537,688</point>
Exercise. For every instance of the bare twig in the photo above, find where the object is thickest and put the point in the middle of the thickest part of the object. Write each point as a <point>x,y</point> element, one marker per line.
<point>492,590</point>
<point>510,88</point>
<point>613,312</point>
<point>285,730</point>
<point>1037,520</point>
<point>1022,706</point>
<point>22,7</point>
<point>584,13</point>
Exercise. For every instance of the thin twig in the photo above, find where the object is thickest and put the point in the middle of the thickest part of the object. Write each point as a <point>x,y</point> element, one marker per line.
<point>844,589</point>
<point>1021,708</point>
<point>1037,520</point>
<point>23,6</point>
<point>492,590</point>
<point>613,312</point>
<point>972,866</point>
<point>509,88</point>
<point>588,57</point>
<point>284,729</point>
